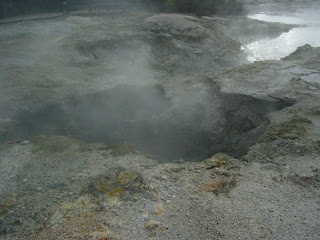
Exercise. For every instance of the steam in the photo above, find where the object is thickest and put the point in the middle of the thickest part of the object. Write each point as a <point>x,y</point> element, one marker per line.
<point>129,66</point>
<point>159,118</point>
<point>114,94</point>
<point>103,80</point>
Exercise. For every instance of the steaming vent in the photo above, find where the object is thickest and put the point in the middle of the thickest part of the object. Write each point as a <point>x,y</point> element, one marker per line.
<point>144,117</point>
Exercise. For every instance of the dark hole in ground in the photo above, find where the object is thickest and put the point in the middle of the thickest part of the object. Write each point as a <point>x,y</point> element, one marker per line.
<point>145,118</point>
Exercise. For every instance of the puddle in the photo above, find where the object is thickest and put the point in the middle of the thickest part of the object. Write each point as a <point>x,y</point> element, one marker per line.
<point>276,48</point>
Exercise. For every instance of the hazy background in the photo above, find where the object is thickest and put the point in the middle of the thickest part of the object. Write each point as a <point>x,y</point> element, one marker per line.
<point>10,8</point>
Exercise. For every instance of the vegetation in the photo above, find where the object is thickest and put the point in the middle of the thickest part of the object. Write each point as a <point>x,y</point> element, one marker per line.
<point>10,8</point>
<point>199,7</point>
<point>202,7</point>
<point>121,149</point>
<point>295,127</point>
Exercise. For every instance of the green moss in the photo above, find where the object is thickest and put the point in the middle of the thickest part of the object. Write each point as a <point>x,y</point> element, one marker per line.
<point>221,160</point>
<point>121,149</point>
<point>297,126</point>
<point>316,144</point>
<point>52,143</point>
<point>6,128</point>
<point>117,187</point>
<point>304,181</point>
<point>300,119</point>
<point>5,207</point>
<point>117,182</point>
<point>316,110</point>
<point>35,149</point>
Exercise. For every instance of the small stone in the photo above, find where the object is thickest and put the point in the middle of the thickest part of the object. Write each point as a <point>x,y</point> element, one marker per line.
<point>176,169</point>
<point>220,160</point>
<point>162,177</point>
<point>106,234</point>
<point>117,183</point>
<point>180,161</point>
<point>152,224</point>
<point>209,163</point>
<point>292,136</point>
<point>24,180</point>
<point>155,228</point>
<point>222,172</point>
<point>102,207</point>
<point>67,206</point>
<point>159,208</point>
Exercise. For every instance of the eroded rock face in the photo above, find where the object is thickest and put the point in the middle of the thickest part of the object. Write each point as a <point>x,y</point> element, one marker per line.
<point>185,43</point>
<point>178,25</point>
<point>292,78</point>
<point>304,54</point>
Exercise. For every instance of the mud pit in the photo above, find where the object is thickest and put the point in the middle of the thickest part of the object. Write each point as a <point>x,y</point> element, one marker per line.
<point>146,118</point>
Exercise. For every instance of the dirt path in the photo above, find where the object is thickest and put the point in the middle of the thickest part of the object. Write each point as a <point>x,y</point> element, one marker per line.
<point>30,17</point>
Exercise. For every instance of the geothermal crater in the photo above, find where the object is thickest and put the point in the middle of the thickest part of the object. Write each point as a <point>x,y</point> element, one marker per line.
<point>149,120</point>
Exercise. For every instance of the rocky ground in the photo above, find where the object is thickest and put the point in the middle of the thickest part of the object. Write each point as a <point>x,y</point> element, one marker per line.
<point>259,176</point>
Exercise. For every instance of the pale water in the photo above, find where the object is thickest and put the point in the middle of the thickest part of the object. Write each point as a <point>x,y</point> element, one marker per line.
<point>308,32</point>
